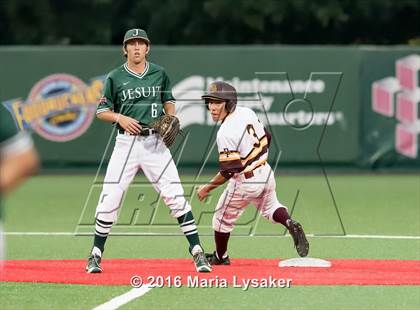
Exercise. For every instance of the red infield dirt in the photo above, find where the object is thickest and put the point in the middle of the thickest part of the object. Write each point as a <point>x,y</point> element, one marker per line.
<point>120,271</point>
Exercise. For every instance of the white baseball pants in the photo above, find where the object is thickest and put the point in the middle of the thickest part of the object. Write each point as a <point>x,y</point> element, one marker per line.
<point>151,155</point>
<point>259,190</point>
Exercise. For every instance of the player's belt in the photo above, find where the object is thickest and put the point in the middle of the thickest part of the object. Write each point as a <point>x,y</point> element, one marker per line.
<point>144,132</point>
<point>250,174</point>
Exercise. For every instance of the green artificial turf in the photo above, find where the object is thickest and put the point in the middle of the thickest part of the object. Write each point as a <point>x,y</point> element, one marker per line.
<point>367,205</point>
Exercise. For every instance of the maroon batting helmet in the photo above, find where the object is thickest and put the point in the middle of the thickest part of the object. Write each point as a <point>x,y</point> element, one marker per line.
<point>222,91</point>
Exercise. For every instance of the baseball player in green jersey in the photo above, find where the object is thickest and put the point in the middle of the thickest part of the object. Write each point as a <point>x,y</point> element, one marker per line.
<point>135,95</point>
<point>18,159</point>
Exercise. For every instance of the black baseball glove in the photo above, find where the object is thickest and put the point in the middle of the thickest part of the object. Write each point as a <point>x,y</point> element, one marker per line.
<point>168,127</point>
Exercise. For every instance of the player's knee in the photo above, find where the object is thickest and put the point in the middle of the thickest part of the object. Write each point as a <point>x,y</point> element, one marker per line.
<point>109,203</point>
<point>171,190</point>
<point>111,198</point>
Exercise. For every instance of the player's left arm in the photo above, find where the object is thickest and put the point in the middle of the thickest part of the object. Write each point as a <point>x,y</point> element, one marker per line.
<point>167,97</point>
<point>169,108</point>
<point>204,190</point>
<point>268,135</point>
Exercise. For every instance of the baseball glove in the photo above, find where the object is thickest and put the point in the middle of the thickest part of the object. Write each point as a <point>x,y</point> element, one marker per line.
<point>168,127</point>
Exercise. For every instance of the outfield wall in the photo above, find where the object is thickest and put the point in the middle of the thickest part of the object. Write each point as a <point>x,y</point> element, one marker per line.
<point>317,101</point>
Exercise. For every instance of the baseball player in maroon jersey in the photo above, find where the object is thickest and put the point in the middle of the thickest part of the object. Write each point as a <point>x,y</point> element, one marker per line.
<point>243,144</point>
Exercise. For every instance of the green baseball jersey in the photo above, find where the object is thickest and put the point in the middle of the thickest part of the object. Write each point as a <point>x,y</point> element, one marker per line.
<point>8,127</point>
<point>140,96</point>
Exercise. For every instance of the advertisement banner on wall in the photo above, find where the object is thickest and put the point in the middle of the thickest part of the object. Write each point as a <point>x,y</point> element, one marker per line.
<point>391,101</point>
<point>307,97</point>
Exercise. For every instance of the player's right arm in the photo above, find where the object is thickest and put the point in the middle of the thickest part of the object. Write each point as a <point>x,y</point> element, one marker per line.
<point>229,164</point>
<point>105,112</point>
<point>204,190</point>
<point>129,124</point>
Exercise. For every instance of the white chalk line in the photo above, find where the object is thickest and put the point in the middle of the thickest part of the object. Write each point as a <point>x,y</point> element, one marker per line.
<point>349,236</point>
<point>120,300</point>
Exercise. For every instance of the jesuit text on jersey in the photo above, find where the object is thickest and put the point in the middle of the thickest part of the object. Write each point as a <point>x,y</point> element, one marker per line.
<point>135,93</point>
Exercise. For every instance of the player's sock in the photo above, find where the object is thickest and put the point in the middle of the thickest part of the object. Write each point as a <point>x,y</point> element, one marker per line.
<point>96,251</point>
<point>281,216</point>
<point>189,228</point>
<point>102,230</point>
<point>221,239</point>
<point>195,249</point>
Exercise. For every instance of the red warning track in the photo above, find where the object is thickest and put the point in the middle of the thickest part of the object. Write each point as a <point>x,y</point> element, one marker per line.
<point>120,271</point>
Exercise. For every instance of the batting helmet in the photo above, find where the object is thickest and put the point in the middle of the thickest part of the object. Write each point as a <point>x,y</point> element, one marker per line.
<point>221,91</point>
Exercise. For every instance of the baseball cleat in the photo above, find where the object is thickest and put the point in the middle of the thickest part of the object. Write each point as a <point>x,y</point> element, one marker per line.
<point>94,264</point>
<point>215,260</point>
<point>201,262</point>
<point>299,238</point>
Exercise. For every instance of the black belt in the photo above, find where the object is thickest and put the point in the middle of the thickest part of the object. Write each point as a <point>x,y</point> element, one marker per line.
<point>144,132</point>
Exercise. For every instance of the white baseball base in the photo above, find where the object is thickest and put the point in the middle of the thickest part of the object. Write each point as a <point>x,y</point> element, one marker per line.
<point>305,262</point>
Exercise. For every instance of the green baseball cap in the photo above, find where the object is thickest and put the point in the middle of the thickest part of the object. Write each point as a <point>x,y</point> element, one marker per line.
<point>136,34</point>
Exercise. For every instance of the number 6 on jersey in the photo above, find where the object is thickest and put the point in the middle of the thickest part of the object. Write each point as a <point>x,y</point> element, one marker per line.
<point>154,110</point>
